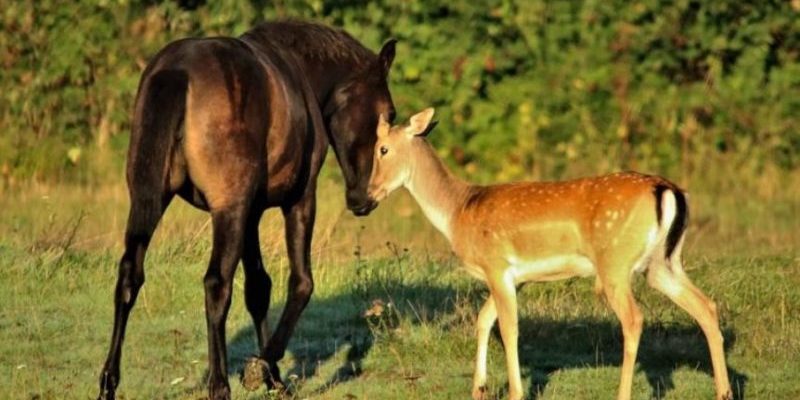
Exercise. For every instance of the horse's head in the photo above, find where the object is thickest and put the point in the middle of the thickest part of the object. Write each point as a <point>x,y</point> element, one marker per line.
<point>356,106</point>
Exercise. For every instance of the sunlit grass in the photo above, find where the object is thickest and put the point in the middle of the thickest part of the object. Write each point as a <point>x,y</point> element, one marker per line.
<point>59,247</point>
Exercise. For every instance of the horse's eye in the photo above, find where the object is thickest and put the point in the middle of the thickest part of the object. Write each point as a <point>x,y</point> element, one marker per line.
<point>384,150</point>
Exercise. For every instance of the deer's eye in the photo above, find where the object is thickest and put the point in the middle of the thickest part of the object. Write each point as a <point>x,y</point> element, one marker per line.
<point>384,150</point>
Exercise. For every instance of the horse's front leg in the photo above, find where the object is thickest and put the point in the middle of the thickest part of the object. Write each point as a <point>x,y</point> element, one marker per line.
<point>299,220</point>
<point>257,283</point>
<point>257,291</point>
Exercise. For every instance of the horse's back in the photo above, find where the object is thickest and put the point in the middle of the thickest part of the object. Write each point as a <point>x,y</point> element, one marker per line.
<point>245,114</point>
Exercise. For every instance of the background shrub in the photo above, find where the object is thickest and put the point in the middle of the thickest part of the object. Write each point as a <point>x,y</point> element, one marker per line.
<point>524,89</point>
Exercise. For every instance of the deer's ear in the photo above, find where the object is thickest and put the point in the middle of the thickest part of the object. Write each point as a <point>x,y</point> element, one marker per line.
<point>419,123</point>
<point>428,129</point>
<point>383,125</point>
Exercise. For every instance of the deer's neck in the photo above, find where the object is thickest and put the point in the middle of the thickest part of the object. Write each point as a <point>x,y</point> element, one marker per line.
<point>439,193</point>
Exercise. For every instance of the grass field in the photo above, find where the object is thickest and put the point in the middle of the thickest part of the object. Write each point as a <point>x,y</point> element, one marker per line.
<point>59,247</point>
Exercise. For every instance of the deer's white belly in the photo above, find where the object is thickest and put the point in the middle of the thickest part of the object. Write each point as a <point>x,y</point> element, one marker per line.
<point>550,268</point>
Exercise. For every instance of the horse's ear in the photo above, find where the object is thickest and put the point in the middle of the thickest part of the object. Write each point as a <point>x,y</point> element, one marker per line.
<point>386,56</point>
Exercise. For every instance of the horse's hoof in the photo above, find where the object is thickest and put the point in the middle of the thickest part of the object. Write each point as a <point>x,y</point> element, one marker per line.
<point>108,385</point>
<point>220,393</point>
<point>106,394</point>
<point>273,378</point>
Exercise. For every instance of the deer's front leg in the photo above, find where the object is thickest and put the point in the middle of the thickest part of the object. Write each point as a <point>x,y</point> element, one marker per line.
<point>504,294</point>
<point>486,319</point>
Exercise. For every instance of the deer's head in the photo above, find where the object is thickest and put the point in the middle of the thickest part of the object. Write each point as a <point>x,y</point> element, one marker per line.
<point>395,153</point>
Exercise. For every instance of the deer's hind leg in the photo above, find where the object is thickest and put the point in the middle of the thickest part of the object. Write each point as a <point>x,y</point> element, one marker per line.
<point>668,277</point>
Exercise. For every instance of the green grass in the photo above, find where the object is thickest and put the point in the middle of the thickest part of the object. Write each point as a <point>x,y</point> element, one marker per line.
<point>59,247</point>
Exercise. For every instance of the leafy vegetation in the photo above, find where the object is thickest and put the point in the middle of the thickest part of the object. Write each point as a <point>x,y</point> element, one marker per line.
<point>535,88</point>
<point>703,92</point>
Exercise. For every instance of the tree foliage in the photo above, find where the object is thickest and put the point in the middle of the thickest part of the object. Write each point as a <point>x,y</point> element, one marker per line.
<point>524,88</point>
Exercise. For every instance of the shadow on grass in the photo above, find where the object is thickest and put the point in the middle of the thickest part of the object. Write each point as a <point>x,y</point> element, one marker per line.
<point>332,324</point>
<point>546,345</point>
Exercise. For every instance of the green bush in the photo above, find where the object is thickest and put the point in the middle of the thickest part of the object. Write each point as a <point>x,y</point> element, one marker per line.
<point>523,88</point>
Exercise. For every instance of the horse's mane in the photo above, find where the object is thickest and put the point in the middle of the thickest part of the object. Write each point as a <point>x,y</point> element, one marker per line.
<point>313,40</point>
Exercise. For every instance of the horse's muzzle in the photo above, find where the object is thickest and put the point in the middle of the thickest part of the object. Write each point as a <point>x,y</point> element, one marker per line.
<point>364,209</point>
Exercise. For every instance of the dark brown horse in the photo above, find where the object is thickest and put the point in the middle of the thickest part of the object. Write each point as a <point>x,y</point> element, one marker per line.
<point>235,126</point>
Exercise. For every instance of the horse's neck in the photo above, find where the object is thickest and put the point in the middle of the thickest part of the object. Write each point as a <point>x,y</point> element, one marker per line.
<point>324,76</point>
<point>322,73</point>
<point>439,193</point>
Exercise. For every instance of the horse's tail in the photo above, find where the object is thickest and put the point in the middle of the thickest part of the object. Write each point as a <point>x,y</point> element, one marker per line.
<point>159,113</point>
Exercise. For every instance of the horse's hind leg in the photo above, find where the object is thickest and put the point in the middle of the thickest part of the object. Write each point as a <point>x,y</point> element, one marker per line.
<point>142,220</point>
<point>228,225</point>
